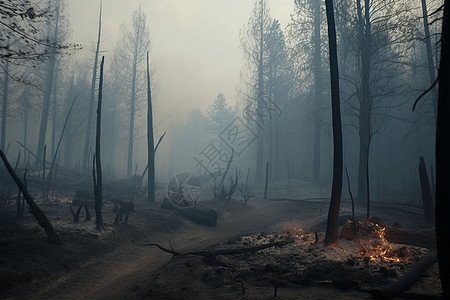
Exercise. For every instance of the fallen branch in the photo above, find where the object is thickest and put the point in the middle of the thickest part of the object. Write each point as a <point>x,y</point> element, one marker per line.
<point>41,218</point>
<point>215,252</point>
<point>410,277</point>
<point>154,151</point>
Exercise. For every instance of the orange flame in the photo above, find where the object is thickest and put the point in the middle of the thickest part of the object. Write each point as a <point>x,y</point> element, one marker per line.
<point>375,246</point>
<point>295,232</point>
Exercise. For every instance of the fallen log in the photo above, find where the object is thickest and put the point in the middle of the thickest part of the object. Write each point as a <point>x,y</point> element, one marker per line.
<point>215,252</point>
<point>38,214</point>
<point>425,238</point>
<point>410,277</point>
<point>197,215</point>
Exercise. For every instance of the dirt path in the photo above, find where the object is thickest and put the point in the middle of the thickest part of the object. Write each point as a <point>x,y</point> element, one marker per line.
<point>124,273</point>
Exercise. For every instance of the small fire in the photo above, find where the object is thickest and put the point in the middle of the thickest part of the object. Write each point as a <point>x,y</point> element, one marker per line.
<point>295,232</point>
<point>375,246</point>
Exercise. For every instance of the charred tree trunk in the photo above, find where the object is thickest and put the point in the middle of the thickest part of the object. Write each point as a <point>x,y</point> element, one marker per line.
<point>98,186</point>
<point>431,71</point>
<point>426,191</point>
<point>317,60</point>
<point>54,110</point>
<point>55,155</point>
<point>35,210</point>
<point>405,282</point>
<point>336,189</point>
<point>443,157</point>
<point>150,141</point>
<point>365,108</point>
<point>4,106</point>
<point>87,141</point>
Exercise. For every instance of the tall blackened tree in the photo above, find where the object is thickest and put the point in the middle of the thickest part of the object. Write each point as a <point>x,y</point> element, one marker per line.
<point>87,141</point>
<point>374,38</point>
<point>150,141</point>
<point>4,104</point>
<point>336,189</point>
<point>442,156</point>
<point>427,40</point>
<point>98,176</point>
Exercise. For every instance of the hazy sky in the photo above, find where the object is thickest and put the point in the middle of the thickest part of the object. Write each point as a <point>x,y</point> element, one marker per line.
<point>195,44</point>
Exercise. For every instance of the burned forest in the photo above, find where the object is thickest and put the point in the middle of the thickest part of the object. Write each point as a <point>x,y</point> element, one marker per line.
<point>205,149</point>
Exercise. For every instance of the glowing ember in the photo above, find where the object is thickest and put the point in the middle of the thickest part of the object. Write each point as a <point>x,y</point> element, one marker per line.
<point>295,232</point>
<point>375,246</point>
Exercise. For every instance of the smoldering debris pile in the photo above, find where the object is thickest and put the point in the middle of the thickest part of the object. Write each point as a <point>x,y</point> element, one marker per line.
<point>304,263</point>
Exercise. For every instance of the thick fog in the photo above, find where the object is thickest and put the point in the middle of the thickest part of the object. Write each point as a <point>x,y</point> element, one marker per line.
<point>211,92</point>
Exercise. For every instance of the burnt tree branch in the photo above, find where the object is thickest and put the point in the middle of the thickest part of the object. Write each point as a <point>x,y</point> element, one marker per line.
<point>215,252</point>
<point>41,218</point>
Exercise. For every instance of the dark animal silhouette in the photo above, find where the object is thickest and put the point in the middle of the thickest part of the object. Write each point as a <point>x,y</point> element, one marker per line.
<point>122,208</point>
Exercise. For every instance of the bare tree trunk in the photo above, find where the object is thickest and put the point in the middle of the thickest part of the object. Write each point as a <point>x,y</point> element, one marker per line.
<point>431,71</point>
<point>150,141</point>
<point>426,191</point>
<point>54,109</point>
<point>87,141</point>
<point>55,154</point>
<point>98,184</point>
<point>4,106</point>
<point>48,93</point>
<point>364,37</point>
<point>132,110</point>
<point>317,89</point>
<point>443,157</point>
<point>260,142</point>
<point>68,136</point>
<point>112,142</point>
<point>331,236</point>
<point>25,130</point>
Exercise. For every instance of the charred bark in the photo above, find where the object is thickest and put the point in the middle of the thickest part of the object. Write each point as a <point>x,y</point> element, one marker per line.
<point>426,191</point>
<point>443,157</point>
<point>98,165</point>
<point>317,65</point>
<point>332,235</point>
<point>150,141</point>
<point>431,71</point>
<point>215,252</point>
<point>4,106</point>
<point>87,142</point>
